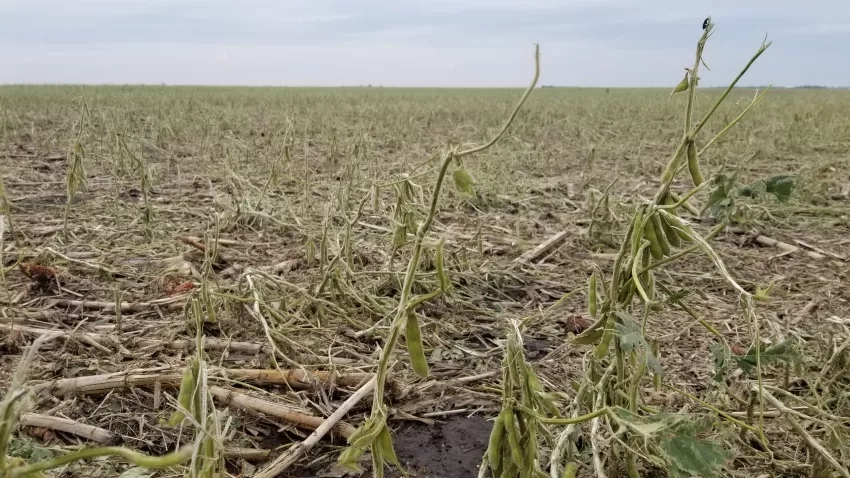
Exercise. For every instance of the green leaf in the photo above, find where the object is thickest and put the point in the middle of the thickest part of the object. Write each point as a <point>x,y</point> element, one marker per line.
<point>688,456</point>
<point>782,352</point>
<point>781,186</point>
<point>753,190</point>
<point>721,201</point>
<point>721,357</point>
<point>631,338</point>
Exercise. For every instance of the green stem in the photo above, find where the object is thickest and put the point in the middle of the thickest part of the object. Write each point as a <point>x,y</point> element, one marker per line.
<point>422,230</point>
<point>734,121</point>
<point>565,421</point>
<point>728,90</point>
<point>138,459</point>
<point>713,409</point>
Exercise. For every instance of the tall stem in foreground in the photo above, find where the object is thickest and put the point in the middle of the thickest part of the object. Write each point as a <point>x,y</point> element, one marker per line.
<point>374,433</point>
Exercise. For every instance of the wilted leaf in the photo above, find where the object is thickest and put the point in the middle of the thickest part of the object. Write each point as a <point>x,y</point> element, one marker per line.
<point>688,456</point>
<point>782,352</point>
<point>781,187</point>
<point>631,338</point>
<point>754,189</point>
<point>721,201</point>
<point>721,356</point>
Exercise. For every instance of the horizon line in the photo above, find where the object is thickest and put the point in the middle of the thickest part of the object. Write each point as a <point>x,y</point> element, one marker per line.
<point>420,87</point>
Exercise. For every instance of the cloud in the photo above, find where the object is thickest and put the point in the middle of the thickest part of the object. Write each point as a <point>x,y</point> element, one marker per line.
<point>422,43</point>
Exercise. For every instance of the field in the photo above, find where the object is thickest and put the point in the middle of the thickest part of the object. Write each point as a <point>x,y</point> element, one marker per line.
<point>268,220</point>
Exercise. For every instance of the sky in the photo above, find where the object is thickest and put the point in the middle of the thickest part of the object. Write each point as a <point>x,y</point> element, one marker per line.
<point>434,43</point>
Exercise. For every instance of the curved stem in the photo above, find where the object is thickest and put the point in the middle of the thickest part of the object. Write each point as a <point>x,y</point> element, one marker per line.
<point>138,459</point>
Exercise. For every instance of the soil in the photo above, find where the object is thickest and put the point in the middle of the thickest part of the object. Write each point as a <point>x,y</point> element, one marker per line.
<point>447,449</point>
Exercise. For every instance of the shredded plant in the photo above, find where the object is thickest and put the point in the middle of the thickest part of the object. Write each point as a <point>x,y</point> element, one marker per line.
<point>262,282</point>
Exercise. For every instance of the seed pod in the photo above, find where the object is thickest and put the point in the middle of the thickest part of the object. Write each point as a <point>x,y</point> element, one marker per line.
<point>649,285</point>
<point>601,349</point>
<point>660,234</point>
<point>677,225</point>
<point>654,242</point>
<point>494,449</point>
<point>592,333</point>
<point>513,437</point>
<point>682,86</point>
<point>672,198</point>
<point>445,283</point>
<point>367,433</point>
<point>184,396</point>
<point>693,164</point>
<point>510,470</point>
<point>399,235</point>
<point>385,443</point>
<point>670,233</point>
<point>464,182</point>
<point>414,345</point>
<point>592,298</point>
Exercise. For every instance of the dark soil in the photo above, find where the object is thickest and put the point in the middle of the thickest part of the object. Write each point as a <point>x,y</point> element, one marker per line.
<point>447,449</point>
<point>450,448</point>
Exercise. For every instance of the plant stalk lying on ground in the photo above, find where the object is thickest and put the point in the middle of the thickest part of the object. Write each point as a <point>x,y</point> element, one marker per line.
<point>10,411</point>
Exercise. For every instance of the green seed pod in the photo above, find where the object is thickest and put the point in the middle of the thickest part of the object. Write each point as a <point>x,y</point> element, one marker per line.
<point>592,298</point>
<point>445,283</point>
<point>693,164</point>
<point>592,333</point>
<point>659,233</point>
<point>682,86</point>
<point>367,433</point>
<point>399,235</point>
<point>385,443</point>
<point>654,242</point>
<point>672,198</point>
<point>649,285</point>
<point>510,470</point>
<point>513,437</point>
<point>494,449</point>
<point>464,182</point>
<point>184,396</point>
<point>670,233</point>
<point>414,345</point>
<point>677,224</point>
<point>602,348</point>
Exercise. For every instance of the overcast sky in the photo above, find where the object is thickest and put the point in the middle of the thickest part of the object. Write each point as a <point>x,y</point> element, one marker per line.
<point>418,43</point>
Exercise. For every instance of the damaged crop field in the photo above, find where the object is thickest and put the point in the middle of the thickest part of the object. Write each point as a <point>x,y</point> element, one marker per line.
<point>260,282</point>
